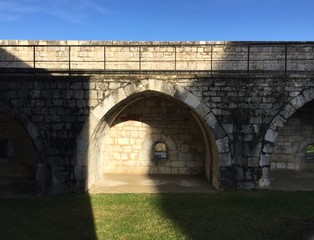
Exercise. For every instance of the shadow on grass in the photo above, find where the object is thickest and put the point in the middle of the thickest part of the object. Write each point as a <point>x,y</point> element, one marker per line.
<point>62,217</point>
<point>241,215</point>
<point>38,99</point>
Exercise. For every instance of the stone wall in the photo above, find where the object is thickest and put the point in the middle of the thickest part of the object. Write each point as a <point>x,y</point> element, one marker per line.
<point>244,114</point>
<point>241,116</point>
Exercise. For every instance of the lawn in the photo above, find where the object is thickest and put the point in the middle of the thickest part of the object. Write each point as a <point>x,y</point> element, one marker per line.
<point>227,215</point>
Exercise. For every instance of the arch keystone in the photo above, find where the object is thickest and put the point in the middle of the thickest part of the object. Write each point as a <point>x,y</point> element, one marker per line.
<point>155,85</point>
<point>168,89</point>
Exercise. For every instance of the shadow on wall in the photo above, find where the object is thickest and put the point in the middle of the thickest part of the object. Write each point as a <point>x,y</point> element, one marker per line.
<point>41,116</point>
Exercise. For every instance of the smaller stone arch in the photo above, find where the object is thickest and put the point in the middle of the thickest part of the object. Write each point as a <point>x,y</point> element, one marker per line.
<point>159,151</point>
<point>275,125</point>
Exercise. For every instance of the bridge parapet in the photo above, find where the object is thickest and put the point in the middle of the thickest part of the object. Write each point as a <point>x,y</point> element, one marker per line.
<point>139,57</point>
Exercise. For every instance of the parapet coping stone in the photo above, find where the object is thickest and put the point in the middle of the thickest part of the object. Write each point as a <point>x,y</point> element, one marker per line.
<point>139,43</point>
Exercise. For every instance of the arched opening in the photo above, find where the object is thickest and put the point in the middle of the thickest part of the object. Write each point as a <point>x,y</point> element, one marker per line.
<point>153,122</point>
<point>292,165</point>
<point>91,141</point>
<point>17,158</point>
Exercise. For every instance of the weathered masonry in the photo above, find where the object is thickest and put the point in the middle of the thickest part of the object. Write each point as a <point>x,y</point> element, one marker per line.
<point>71,111</point>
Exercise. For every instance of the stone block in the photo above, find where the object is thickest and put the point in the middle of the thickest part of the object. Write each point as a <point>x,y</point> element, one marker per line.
<point>79,94</point>
<point>178,164</point>
<point>228,128</point>
<point>180,93</point>
<point>271,135</point>
<point>210,119</point>
<point>219,132</point>
<point>202,109</point>
<point>123,141</point>
<point>175,170</point>
<point>281,165</point>
<point>225,159</point>
<point>264,182</point>
<point>239,173</point>
<point>164,170</point>
<point>298,101</point>
<point>277,123</point>
<point>246,185</point>
<point>291,166</point>
<point>268,147</point>
<point>287,111</point>
<point>186,157</point>
<point>192,100</point>
<point>252,149</point>
<point>252,161</point>
<point>223,145</point>
<point>190,164</point>
<point>308,95</point>
<point>184,171</point>
<point>265,160</point>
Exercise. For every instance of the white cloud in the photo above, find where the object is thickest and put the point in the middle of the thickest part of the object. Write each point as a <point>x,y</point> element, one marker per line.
<point>73,11</point>
<point>15,10</point>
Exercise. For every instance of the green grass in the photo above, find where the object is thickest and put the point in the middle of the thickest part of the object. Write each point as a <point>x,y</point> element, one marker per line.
<point>229,215</point>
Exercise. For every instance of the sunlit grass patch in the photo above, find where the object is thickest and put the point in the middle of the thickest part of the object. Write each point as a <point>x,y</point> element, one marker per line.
<point>229,215</point>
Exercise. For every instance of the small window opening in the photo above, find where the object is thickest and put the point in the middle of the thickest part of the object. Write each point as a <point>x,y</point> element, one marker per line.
<point>7,148</point>
<point>160,151</point>
<point>309,153</point>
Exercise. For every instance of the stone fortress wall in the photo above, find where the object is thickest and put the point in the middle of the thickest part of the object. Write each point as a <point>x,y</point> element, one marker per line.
<point>243,96</point>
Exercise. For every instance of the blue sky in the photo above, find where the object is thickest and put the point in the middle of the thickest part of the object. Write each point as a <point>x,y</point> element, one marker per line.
<point>159,20</point>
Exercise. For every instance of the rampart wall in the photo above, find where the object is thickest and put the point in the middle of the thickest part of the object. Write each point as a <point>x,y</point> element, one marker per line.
<point>243,93</point>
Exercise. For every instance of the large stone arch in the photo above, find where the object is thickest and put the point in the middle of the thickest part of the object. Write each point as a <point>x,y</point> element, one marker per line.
<point>87,169</point>
<point>275,125</point>
<point>37,143</point>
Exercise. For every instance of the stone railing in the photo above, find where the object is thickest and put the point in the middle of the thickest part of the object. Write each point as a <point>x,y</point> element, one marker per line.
<point>115,56</point>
